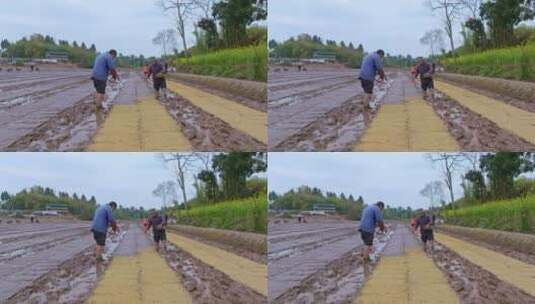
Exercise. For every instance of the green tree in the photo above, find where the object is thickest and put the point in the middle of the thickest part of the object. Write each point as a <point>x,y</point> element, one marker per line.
<point>502,168</point>
<point>235,15</point>
<point>235,167</point>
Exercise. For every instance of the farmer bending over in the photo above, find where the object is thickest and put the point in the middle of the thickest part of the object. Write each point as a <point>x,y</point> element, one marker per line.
<point>102,219</point>
<point>371,66</point>
<point>372,216</point>
<point>103,66</point>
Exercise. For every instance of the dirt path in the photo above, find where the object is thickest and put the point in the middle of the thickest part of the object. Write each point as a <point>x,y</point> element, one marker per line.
<point>513,119</point>
<point>137,274</point>
<point>406,275</point>
<point>240,117</point>
<point>515,272</point>
<point>409,126</point>
<point>244,271</point>
<point>405,122</point>
<point>142,126</point>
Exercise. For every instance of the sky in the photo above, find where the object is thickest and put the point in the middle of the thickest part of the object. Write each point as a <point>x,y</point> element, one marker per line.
<point>128,178</point>
<point>394,178</point>
<point>125,25</point>
<point>395,26</point>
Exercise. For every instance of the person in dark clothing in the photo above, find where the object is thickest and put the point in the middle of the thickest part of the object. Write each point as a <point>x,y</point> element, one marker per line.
<point>158,223</point>
<point>425,223</point>
<point>158,70</point>
<point>426,72</point>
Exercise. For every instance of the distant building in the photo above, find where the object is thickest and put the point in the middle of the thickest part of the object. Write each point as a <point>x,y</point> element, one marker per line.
<point>326,208</point>
<point>324,56</point>
<point>58,208</point>
<point>57,56</point>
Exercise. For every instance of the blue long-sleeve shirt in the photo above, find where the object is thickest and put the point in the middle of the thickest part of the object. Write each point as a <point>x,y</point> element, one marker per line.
<point>371,216</point>
<point>104,63</point>
<point>371,65</point>
<point>102,219</point>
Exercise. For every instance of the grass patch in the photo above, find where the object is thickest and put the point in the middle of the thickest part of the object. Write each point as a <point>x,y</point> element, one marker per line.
<point>509,215</point>
<point>248,214</point>
<point>511,63</point>
<point>242,63</point>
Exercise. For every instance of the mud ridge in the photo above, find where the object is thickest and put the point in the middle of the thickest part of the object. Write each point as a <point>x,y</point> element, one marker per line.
<point>207,132</point>
<point>474,132</point>
<point>206,284</point>
<point>475,285</point>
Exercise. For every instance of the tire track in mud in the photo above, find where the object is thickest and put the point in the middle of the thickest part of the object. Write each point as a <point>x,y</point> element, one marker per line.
<point>474,132</point>
<point>242,270</point>
<point>240,117</point>
<point>512,271</point>
<point>207,284</point>
<point>476,285</point>
<point>510,118</point>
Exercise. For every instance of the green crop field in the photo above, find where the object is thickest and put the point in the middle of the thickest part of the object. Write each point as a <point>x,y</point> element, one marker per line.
<point>248,63</point>
<point>248,214</point>
<point>510,63</point>
<point>510,215</point>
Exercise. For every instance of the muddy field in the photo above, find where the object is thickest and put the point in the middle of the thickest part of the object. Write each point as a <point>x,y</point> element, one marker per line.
<point>320,262</point>
<point>53,110</point>
<point>316,261</point>
<point>45,261</point>
<point>322,110</point>
<point>53,262</point>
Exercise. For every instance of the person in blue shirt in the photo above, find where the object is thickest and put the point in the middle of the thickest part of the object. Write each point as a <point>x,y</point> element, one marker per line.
<point>104,65</point>
<point>372,216</point>
<point>103,219</point>
<point>370,67</point>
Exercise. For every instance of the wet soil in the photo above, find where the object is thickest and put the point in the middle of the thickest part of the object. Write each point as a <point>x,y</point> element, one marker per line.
<point>338,281</point>
<point>521,104</point>
<point>473,284</point>
<point>259,105</point>
<point>297,251</point>
<point>241,251</point>
<point>73,128</point>
<point>206,284</point>
<point>526,258</point>
<point>205,131</point>
<point>73,280</point>
<point>474,132</point>
<point>298,99</point>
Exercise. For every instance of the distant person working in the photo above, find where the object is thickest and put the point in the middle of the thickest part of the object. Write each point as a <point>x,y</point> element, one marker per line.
<point>426,222</point>
<point>158,223</point>
<point>103,219</point>
<point>158,70</point>
<point>371,65</point>
<point>372,217</point>
<point>426,71</point>
<point>104,65</point>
